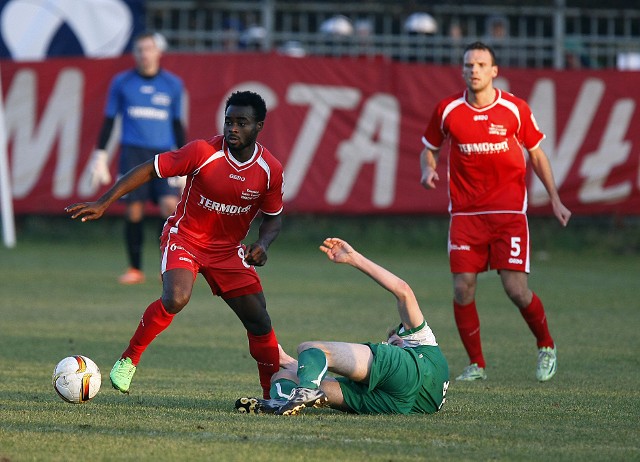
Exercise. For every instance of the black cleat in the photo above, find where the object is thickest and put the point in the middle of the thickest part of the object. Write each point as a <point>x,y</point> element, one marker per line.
<point>301,398</point>
<point>258,406</point>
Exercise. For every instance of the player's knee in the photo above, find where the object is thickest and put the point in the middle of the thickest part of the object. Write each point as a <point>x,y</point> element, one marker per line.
<point>175,300</point>
<point>307,346</point>
<point>168,207</point>
<point>135,211</point>
<point>463,294</point>
<point>464,287</point>
<point>284,374</point>
<point>519,296</point>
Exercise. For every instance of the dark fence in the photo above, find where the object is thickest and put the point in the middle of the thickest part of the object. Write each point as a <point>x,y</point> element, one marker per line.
<point>525,36</point>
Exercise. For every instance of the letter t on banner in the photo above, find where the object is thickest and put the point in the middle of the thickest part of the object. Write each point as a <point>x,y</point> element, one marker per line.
<point>6,199</point>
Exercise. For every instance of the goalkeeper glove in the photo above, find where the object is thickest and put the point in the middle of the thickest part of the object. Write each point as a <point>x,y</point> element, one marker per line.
<point>99,169</point>
<point>177,182</point>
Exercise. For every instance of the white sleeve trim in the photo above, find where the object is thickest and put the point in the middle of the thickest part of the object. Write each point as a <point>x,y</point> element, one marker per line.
<point>419,336</point>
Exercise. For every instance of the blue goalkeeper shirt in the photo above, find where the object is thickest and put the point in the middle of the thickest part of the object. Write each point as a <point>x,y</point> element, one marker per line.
<point>148,106</point>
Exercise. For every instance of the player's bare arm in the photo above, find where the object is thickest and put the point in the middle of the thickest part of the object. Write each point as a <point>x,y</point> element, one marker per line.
<point>340,251</point>
<point>428,164</point>
<point>542,168</point>
<point>256,253</point>
<point>134,178</point>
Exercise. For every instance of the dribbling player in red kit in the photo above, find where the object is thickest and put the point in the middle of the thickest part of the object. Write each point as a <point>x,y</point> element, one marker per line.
<point>488,130</point>
<point>230,178</point>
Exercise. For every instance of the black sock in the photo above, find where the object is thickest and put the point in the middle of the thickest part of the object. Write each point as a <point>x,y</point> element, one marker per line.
<point>133,234</point>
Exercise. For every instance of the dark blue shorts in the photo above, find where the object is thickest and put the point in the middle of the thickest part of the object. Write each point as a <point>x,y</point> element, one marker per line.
<point>132,156</point>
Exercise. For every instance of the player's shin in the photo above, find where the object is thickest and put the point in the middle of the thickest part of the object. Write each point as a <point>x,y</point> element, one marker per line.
<point>264,349</point>
<point>154,320</point>
<point>468,324</point>
<point>536,319</point>
<point>312,367</point>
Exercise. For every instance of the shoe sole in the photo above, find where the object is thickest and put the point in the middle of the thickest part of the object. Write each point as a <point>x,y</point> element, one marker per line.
<point>470,379</point>
<point>252,406</point>
<point>248,405</point>
<point>318,403</point>
<point>294,410</point>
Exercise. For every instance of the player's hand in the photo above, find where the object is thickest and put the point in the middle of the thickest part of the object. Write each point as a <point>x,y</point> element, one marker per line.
<point>337,250</point>
<point>429,178</point>
<point>99,169</point>
<point>255,255</point>
<point>86,210</point>
<point>561,212</point>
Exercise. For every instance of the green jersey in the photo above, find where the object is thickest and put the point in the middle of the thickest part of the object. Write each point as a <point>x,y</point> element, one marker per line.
<point>411,379</point>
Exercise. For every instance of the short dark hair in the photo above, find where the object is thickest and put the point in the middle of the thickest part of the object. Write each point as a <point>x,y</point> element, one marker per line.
<point>157,38</point>
<point>248,98</point>
<point>143,35</point>
<point>482,46</point>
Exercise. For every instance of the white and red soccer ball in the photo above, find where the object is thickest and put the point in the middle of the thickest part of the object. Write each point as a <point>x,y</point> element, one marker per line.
<point>76,379</point>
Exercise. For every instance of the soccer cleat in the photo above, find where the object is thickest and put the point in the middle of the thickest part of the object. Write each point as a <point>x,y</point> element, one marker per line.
<point>303,397</point>
<point>547,363</point>
<point>121,374</point>
<point>472,372</point>
<point>132,276</point>
<point>258,405</point>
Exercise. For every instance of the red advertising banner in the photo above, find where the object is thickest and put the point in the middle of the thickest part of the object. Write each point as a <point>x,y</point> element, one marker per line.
<point>348,131</point>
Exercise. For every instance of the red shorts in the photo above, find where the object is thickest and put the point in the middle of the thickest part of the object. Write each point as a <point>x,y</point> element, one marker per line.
<point>224,269</point>
<point>489,241</point>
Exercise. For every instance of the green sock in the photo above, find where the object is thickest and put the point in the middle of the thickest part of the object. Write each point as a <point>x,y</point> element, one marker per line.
<point>312,367</point>
<point>281,389</point>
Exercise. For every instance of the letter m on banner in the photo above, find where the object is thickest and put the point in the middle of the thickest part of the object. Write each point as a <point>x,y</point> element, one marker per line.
<point>33,143</point>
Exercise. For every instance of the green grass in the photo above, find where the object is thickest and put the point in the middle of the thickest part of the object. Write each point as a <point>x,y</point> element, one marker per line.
<point>59,296</point>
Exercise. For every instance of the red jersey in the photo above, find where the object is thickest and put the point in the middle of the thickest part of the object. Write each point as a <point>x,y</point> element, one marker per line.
<point>222,196</point>
<point>487,163</point>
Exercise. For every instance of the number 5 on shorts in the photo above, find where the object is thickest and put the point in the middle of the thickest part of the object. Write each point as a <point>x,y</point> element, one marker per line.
<point>515,246</point>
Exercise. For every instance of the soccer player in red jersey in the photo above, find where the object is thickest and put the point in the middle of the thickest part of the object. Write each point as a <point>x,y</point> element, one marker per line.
<point>230,178</point>
<point>488,130</point>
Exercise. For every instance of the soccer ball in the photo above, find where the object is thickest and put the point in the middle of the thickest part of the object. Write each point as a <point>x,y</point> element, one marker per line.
<point>76,379</point>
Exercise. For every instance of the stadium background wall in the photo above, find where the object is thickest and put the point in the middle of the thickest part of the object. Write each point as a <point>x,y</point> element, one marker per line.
<point>348,132</point>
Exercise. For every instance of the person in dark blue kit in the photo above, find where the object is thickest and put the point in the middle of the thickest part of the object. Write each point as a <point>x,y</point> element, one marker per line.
<point>149,101</point>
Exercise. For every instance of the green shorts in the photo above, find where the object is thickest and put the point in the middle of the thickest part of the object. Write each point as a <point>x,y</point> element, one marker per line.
<point>402,381</point>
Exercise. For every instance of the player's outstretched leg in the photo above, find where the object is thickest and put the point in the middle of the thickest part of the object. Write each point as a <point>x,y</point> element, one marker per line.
<point>303,397</point>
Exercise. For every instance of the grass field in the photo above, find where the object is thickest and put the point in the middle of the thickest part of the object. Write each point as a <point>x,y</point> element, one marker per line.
<point>59,296</point>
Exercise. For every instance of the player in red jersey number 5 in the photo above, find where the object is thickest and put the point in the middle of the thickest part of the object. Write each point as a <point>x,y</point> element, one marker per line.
<point>488,130</point>
<point>230,178</point>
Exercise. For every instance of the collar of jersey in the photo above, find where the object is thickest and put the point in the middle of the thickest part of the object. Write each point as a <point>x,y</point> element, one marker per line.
<point>235,161</point>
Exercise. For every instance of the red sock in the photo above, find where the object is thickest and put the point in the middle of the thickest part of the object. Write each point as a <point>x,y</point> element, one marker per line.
<point>468,324</point>
<point>264,349</point>
<point>154,320</point>
<point>536,319</point>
